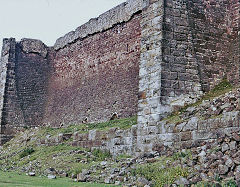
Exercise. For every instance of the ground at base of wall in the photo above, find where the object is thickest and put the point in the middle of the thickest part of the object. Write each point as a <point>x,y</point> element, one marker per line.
<point>212,163</point>
<point>13,179</point>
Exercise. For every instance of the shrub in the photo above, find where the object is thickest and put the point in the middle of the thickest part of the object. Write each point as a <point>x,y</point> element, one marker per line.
<point>159,174</point>
<point>230,183</point>
<point>100,155</point>
<point>26,152</point>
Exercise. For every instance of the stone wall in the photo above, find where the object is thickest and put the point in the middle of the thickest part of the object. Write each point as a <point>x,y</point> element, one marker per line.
<point>119,14</point>
<point>204,123</point>
<point>11,115</point>
<point>91,74</point>
<point>7,56</point>
<point>180,74</point>
<point>143,57</point>
<point>192,133</point>
<point>96,77</point>
<point>149,106</point>
<point>215,37</point>
<point>195,47</point>
<point>198,125</point>
<point>32,72</point>
<point>24,81</point>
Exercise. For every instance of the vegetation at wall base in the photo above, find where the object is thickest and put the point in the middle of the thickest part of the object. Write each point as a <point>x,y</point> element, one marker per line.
<point>26,152</point>
<point>123,123</point>
<point>13,179</point>
<point>223,87</point>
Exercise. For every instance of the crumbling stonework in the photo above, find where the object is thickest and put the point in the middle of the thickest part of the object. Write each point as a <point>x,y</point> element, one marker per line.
<point>143,57</point>
<point>198,125</point>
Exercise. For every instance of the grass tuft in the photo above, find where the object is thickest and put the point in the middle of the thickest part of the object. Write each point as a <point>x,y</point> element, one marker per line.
<point>163,172</point>
<point>159,174</point>
<point>26,152</point>
<point>101,155</point>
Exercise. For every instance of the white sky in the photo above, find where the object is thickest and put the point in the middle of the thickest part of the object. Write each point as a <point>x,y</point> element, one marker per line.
<point>47,20</point>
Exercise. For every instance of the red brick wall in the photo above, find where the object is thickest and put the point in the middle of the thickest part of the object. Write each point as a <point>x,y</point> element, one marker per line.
<point>96,76</point>
<point>233,28</point>
<point>214,27</point>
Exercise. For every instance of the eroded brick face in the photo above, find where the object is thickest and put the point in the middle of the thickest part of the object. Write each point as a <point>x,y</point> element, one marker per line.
<point>215,37</point>
<point>96,76</point>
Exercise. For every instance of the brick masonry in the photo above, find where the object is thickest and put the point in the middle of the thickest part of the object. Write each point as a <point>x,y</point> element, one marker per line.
<point>96,77</point>
<point>215,38</point>
<point>143,57</point>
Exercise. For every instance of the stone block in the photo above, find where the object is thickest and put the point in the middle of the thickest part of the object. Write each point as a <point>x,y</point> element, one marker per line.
<point>186,136</point>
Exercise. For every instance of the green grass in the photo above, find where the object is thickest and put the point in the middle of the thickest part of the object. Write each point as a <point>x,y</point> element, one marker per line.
<point>161,173</point>
<point>161,176</point>
<point>26,152</point>
<point>174,118</point>
<point>101,155</point>
<point>9,179</point>
<point>227,183</point>
<point>124,123</point>
<point>123,156</point>
<point>16,156</point>
<point>58,157</point>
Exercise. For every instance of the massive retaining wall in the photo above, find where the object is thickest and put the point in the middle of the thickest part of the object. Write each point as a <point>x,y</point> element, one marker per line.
<point>90,75</point>
<point>96,77</point>
<point>143,57</point>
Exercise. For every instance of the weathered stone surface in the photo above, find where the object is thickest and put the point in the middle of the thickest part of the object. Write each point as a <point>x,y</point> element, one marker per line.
<point>182,181</point>
<point>232,145</point>
<point>222,169</point>
<point>225,147</point>
<point>150,64</point>
<point>142,181</point>
<point>34,46</point>
<point>96,77</point>
<point>52,177</point>
<point>31,174</point>
<point>81,177</point>
<point>108,180</point>
<point>119,14</point>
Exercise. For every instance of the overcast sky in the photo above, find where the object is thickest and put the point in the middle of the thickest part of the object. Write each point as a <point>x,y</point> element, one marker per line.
<point>47,20</point>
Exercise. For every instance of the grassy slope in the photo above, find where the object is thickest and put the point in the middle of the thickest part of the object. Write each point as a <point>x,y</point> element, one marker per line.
<point>62,157</point>
<point>165,170</point>
<point>9,179</point>
<point>49,156</point>
<point>124,123</point>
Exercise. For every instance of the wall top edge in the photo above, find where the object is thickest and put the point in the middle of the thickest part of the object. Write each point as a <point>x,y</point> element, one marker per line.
<point>6,46</point>
<point>118,14</point>
<point>28,45</point>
